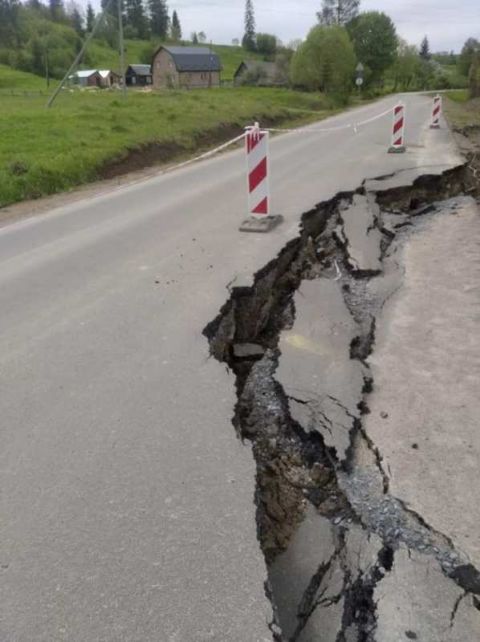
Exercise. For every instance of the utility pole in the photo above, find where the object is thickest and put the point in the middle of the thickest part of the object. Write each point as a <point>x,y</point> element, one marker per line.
<point>47,71</point>
<point>121,46</point>
<point>79,56</point>
<point>210,70</point>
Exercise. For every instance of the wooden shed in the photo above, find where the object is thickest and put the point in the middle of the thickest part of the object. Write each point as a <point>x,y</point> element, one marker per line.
<point>185,67</point>
<point>260,73</point>
<point>109,77</point>
<point>138,75</point>
<point>86,78</point>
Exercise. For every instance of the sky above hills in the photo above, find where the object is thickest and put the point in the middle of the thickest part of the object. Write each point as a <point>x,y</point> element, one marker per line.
<point>447,23</point>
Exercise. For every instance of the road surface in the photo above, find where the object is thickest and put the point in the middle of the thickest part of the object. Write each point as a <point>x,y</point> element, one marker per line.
<point>127,501</point>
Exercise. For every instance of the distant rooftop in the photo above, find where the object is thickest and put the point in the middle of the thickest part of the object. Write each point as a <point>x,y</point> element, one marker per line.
<point>105,72</point>
<point>194,58</point>
<point>85,73</point>
<point>141,70</point>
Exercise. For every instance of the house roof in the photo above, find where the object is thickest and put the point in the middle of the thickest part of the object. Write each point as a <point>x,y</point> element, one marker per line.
<point>104,73</point>
<point>193,58</point>
<point>141,70</point>
<point>269,68</point>
<point>85,73</point>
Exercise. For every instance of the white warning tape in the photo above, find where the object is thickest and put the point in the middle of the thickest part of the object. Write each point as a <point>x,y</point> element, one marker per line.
<point>211,152</point>
<point>355,125</point>
<point>298,130</point>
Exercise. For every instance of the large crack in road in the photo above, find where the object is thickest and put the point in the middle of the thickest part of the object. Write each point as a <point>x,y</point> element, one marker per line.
<point>329,527</point>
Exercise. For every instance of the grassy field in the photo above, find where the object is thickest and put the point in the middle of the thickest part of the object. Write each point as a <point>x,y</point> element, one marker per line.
<point>460,110</point>
<point>43,151</point>
<point>12,80</point>
<point>101,56</point>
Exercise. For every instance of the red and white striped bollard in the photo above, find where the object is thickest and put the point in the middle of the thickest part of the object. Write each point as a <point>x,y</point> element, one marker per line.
<point>436,112</point>
<point>398,133</point>
<point>256,146</point>
<point>256,143</point>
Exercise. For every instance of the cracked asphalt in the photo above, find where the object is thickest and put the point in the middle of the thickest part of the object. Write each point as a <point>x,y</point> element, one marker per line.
<point>127,500</point>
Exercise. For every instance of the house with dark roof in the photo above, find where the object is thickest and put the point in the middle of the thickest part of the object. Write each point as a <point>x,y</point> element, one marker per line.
<point>260,73</point>
<point>186,68</point>
<point>138,75</point>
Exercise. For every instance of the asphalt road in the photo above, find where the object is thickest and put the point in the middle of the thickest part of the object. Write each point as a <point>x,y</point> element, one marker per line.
<point>127,501</point>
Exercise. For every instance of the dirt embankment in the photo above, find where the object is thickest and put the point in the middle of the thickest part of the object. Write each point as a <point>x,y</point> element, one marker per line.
<point>464,119</point>
<point>162,152</point>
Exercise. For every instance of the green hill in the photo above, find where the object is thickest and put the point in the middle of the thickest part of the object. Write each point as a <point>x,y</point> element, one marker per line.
<point>101,56</point>
<point>16,80</point>
<point>36,36</point>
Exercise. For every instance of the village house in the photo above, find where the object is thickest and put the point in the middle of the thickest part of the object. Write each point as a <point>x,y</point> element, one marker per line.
<point>138,76</point>
<point>109,78</point>
<point>186,68</point>
<point>86,78</point>
<point>260,73</point>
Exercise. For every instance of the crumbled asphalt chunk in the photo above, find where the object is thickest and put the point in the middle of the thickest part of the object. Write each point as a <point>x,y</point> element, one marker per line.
<point>296,471</point>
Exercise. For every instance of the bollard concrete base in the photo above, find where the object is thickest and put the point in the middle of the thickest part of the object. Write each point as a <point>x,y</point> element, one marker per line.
<point>397,150</point>
<point>262,225</point>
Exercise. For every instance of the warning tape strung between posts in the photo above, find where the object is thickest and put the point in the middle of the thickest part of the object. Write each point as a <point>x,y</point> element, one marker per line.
<point>299,130</point>
<point>256,140</point>
<point>353,125</point>
<point>210,152</point>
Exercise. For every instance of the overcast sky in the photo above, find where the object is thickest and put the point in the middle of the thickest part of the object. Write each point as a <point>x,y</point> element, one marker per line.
<point>448,23</point>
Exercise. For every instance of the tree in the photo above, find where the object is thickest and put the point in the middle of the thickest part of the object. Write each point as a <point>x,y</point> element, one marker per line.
<point>406,69</point>
<point>235,42</point>
<point>9,23</point>
<point>175,29</point>
<point>325,61</point>
<point>136,19</point>
<point>36,5</point>
<point>90,17</point>
<point>110,9</point>
<point>375,42</point>
<point>159,18</point>
<point>295,44</point>
<point>76,19</point>
<point>202,36</point>
<point>194,38</point>
<point>57,10</point>
<point>38,57</point>
<point>338,12</point>
<point>248,40</point>
<point>425,49</point>
<point>474,76</point>
<point>266,44</point>
<point>467,55</point>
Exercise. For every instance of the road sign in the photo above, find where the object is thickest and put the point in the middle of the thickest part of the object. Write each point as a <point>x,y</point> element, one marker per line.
<point>359,81</point>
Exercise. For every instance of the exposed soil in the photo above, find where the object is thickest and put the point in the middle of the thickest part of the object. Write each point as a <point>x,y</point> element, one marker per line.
<point>156,153</point>
<point>298,474</point>
<point>464,120</point>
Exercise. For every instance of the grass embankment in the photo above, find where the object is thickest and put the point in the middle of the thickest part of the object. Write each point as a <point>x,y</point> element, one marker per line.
<point>462,111</point>
<point>43,151</point>
<point>463,115</point>
<point>101,56</point>
<point>13,80</point>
